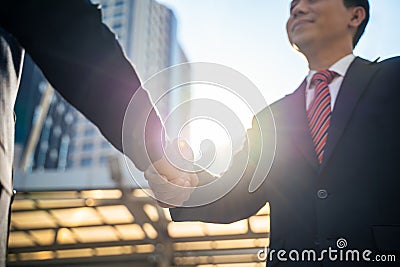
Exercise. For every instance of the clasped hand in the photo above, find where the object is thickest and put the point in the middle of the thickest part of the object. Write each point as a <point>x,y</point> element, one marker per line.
<point>170,177</point>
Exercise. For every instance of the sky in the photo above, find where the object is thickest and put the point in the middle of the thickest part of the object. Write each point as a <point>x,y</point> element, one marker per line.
<point>250,36</point>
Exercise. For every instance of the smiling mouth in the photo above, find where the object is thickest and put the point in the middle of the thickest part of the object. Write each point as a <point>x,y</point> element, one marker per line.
<point>300,23</point>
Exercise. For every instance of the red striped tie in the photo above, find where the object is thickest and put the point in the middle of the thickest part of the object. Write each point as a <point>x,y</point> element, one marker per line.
<point>319,112</point>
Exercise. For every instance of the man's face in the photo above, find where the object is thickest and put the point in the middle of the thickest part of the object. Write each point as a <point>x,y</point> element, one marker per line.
<point>314,23</point>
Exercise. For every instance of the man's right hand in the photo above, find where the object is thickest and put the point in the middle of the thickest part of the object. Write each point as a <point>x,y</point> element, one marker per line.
<point>172,185</point>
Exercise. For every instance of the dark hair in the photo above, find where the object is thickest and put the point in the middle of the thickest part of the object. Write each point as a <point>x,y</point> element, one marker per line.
<point>364,4</point>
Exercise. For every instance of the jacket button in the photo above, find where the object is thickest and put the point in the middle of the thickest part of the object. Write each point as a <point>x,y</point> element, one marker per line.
<point>322,194</point>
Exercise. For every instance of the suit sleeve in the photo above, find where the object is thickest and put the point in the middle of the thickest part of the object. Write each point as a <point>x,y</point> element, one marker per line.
<point>84,62</point>
<point>239,203</point>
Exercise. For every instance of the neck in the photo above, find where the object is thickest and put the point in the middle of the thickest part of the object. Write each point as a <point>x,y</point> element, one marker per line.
<point>322,59</point>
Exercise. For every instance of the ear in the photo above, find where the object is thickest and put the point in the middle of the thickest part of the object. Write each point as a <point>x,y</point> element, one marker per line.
<point>358,15</point>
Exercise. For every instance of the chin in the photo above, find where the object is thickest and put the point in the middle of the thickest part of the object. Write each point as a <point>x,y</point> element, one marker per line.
<point>300,43</point>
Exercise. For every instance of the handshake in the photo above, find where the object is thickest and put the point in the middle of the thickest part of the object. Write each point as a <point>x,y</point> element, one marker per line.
<point>172,178</point>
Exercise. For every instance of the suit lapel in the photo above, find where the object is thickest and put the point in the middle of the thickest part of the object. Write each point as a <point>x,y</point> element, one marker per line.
<point>298,126</point>
<point>354,84</point>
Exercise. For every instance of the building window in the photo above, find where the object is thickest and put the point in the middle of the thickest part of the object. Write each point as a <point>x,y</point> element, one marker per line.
<point>118,15</point>
<point>117,26</point>
<point>89,132</point>
<point>105,144</point>
<point>71,148</point>
<point>42,86</point>
<point>70,163</point>
<point>85,162</point>
<point>103,160</point>
<point>60,108</point>
<point>69,118</point>
<point>57,131</point>
<point>87,146</point>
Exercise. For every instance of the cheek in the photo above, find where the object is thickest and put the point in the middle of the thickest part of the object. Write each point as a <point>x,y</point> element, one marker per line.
<point>334,29</point>
<point>288,26</point>
<point>334,23</point>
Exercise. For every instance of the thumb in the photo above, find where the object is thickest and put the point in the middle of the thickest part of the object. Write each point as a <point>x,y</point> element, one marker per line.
<point>180,155</point>
<point>177,160</point>
<point>185,149</point>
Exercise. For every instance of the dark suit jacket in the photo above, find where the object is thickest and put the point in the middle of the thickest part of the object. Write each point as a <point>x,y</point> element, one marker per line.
<point>83,61</point>
<point>359,175</point>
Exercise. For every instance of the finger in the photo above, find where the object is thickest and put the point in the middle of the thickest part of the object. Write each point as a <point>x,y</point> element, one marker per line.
<point>166,168</point>
<point>194,180</point>
<point>161,184</point>
<point>167,197</point>
<point>173,192</point>
<point>174,199</point>
<point>178,159</point>
<point>155,178</point>
<point>181,182</point>
<point>185,150</point>
<point>170,192</point>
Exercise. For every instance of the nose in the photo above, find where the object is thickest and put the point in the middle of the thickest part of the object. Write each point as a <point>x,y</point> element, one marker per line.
<point>300,8</point>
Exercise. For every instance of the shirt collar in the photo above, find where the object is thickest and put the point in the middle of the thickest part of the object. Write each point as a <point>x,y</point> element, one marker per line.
<point>340,67</point>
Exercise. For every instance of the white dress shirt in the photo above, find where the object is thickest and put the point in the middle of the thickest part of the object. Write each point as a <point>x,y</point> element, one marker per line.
<point>340,67</point>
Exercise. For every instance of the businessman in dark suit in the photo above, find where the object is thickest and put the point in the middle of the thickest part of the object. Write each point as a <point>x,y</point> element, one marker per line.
<point>83,60</point>
<point>335,171</point>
